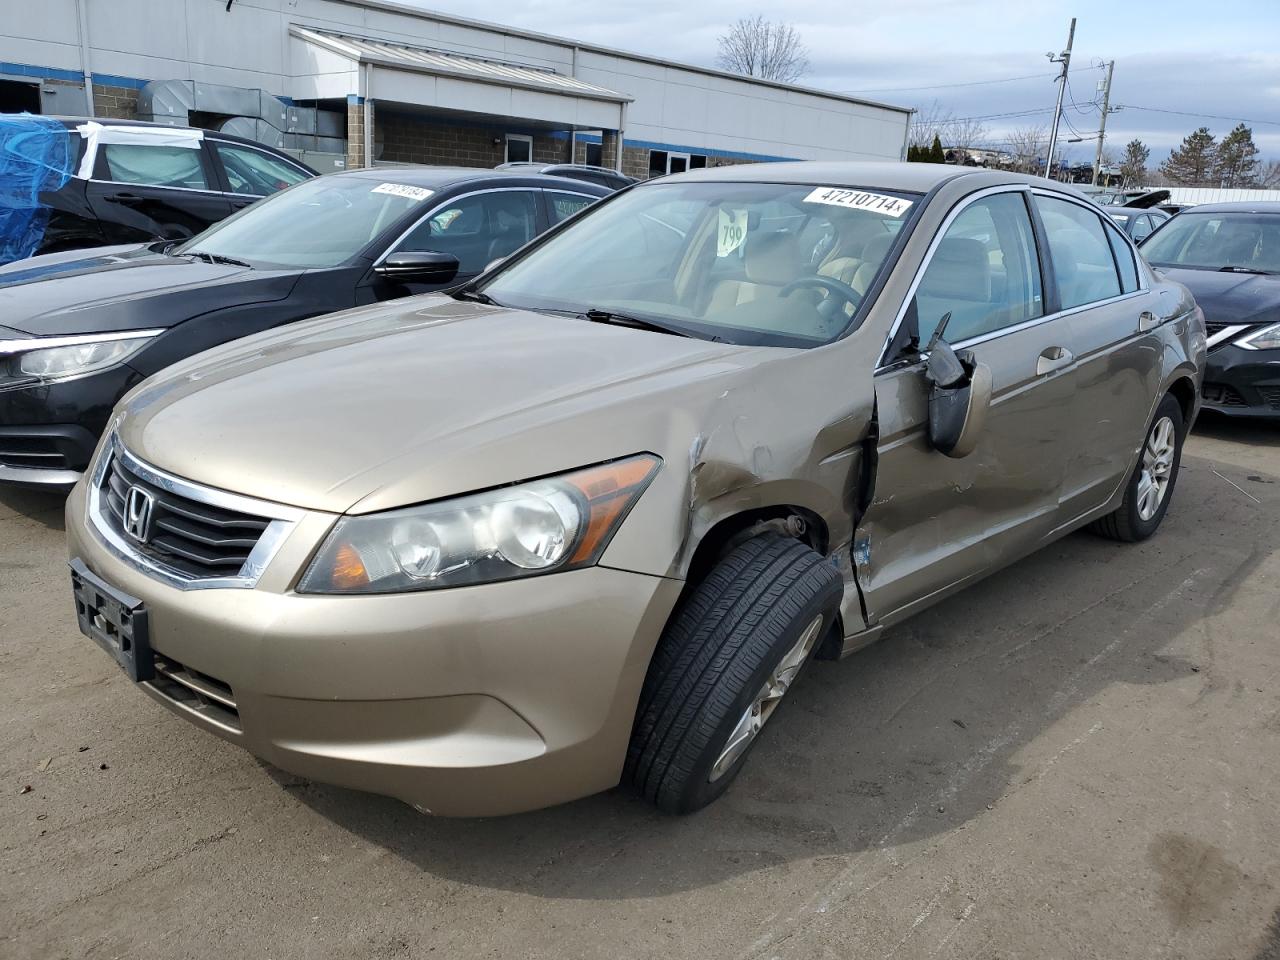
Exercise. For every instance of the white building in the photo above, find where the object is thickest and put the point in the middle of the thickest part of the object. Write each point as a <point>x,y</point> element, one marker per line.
<point>437,88</point>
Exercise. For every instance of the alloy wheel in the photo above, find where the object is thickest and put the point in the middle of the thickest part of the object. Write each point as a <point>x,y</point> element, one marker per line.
<point>766,701</point>
<point>1157,468</point>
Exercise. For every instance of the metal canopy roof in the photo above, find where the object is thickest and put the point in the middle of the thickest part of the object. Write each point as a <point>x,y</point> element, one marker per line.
<point>421,60</point>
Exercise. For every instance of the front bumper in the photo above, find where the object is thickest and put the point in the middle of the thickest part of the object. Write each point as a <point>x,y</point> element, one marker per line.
<point>48,432</point>
<point>1242,383</point>
<point>472,701</point>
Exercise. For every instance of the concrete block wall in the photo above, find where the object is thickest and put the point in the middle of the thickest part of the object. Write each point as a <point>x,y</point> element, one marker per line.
<point>411,139</point>
<point>115,103</point>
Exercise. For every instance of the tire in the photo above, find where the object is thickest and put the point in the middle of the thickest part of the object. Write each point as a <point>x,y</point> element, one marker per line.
<point>1128,523</point>
<point>768,602</point>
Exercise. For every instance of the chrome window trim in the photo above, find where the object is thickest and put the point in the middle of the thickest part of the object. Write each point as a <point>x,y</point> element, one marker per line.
<point>439,206</point>
<point>955,211</point>
<point>283,520</point>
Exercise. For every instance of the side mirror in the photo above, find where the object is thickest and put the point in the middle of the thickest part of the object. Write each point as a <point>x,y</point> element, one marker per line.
<point>418,266</point>
<point>959,400</point>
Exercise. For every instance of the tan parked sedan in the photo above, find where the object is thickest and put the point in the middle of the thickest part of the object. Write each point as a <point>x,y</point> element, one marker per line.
<point>587,519</point>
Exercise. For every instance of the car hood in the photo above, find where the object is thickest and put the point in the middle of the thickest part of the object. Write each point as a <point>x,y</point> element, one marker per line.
<point>125,288</point>
<point>1231,298</point>
<point>389,405</point>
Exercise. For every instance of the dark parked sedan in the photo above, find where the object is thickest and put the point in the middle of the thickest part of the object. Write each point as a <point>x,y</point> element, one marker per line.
<point>1228,254</point>
<point>574,171</point>
<point>1138,224</point>
<point>78,330</point>
<point>70,183</point>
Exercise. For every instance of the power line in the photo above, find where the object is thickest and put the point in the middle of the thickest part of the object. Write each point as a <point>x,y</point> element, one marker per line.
<point>966,83</point>
<point>990,116</point>
<point>1200,116</point>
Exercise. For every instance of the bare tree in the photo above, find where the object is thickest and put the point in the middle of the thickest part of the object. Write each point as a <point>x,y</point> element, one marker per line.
<point>1269,175</point>
<point>958,135</point>
<point>761,48</point>
<point>1028,145</point>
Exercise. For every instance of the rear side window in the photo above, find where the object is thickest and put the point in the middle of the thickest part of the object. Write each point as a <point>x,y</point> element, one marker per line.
<point>1124,258</point>
<point>565,205</point>
<point>154,166</point>
<point>984,272</point>
<point>254,172</point>
<point>1082,259</point>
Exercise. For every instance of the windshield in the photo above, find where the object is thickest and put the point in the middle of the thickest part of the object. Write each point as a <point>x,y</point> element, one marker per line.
<point>750,263</point>
<point>1217,241</point>
<point>319,223</point>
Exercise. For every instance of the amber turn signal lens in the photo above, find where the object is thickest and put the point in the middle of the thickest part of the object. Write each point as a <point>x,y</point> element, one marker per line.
<point>348,569</point>
<point>610,490</point>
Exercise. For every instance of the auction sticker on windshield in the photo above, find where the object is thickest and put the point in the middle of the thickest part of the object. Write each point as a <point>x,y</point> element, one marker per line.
<point>403,190</point>
<point>733,230</point>
<point>860,200</point>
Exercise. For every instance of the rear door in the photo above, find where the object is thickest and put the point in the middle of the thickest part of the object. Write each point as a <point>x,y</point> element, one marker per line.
<point>1117,352</point>
<point>936,523</point>
<point>144,192</point>
<point>248,174</point>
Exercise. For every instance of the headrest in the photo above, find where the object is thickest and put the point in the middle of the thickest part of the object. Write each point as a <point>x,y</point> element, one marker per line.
<point>771,259</point>
<point>959,269</point>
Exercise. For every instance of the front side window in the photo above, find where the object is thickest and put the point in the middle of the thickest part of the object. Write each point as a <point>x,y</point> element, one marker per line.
<point>254,172</point>
<point>565,205</point>
<point>155,166</point>
<point>1082,260</point>
<point>1239,242</point>
<point>322,222</point>
<point>984,274</point>
<point>759,263</point>
<point>478,229</point>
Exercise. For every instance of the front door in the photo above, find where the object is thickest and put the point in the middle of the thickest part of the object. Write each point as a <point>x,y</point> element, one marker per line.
<point>936,523</point>
<point>144,192</point>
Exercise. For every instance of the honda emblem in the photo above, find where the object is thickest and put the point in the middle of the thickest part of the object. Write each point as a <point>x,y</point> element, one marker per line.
<point>138,506</point>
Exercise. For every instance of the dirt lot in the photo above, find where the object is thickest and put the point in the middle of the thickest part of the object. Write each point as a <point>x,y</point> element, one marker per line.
<point>1078,758</point>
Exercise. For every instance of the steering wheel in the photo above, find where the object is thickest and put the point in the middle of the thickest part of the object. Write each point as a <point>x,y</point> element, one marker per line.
<point>834,287</point>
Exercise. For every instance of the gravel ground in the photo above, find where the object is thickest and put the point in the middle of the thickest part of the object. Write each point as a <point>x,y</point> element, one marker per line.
<point>1080,757</point>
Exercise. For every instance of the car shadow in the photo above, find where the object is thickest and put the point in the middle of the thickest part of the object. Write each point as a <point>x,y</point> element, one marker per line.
<point>43,506</point>
<point>907,740</point>
<point>1254,432</point>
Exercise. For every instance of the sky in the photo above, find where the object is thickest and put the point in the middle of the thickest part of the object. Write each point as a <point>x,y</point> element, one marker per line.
<point>1220,59</point>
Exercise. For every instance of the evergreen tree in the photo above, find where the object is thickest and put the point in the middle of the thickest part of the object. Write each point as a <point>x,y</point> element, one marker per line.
<point>1236,163</point>
<point>938,155</point>
<point>1133,167</point>
<point>913,154</point>
<point>1192,163</point>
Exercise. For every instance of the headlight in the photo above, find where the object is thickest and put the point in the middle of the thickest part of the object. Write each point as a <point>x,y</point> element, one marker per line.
<point>1268,338</point>
<point>45,359</point>
<point>561,523</point>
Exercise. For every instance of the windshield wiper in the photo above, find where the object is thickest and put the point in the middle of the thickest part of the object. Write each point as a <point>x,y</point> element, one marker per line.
<point>218,258</point>
<point>1231,268</point>
<point>597,315</point>
<point>475,296</point>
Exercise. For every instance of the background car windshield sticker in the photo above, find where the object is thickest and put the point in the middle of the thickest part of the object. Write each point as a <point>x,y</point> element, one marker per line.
<point>733,230</point>
<point>403,190</point>
<point>860,200</point>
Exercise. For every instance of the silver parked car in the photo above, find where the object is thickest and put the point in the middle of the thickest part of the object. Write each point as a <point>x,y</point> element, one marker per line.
<point>587,518</point>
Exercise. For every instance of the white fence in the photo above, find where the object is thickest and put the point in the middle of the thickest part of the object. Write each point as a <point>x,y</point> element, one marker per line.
<point>1190,195</point>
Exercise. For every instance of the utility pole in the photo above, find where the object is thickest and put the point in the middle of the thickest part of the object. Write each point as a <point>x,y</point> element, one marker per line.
<point>1063,58</point>
<point>1102,127</point>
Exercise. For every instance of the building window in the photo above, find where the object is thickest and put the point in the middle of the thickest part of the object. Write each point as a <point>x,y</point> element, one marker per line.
<point>661,162</point>
<point>595,153</point>
<point>519,148</point>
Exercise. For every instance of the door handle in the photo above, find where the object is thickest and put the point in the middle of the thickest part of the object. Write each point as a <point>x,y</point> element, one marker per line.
<point>1147,321</point>
<point>128,199</point>
<point>1053,358</point>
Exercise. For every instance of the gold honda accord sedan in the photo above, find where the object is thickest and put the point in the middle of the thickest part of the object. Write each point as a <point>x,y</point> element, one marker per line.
<point>587,518</point>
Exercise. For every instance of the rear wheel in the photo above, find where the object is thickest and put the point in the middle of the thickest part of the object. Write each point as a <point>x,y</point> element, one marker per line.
<point>1150,488</point>
<point>728,657</point>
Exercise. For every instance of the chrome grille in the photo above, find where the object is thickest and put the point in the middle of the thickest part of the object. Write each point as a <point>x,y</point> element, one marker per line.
<point>195,538</point>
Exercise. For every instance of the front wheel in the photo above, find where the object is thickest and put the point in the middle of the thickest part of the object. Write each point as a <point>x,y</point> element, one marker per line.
<point>723,665</point>
<point>1146,498</point>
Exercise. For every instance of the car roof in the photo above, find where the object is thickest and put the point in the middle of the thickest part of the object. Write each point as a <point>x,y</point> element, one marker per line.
<point>440,178</point>
<point>72,122</point>
<point>1235,206</point>
<point>885,175</point>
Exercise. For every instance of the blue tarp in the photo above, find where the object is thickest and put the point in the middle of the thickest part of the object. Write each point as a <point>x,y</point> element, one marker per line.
<point>36,154</point>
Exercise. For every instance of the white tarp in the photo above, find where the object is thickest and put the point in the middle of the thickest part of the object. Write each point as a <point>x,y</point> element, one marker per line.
<point>95,133</point>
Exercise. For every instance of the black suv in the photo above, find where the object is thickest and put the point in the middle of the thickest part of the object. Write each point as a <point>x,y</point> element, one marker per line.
<point>130,182</point>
